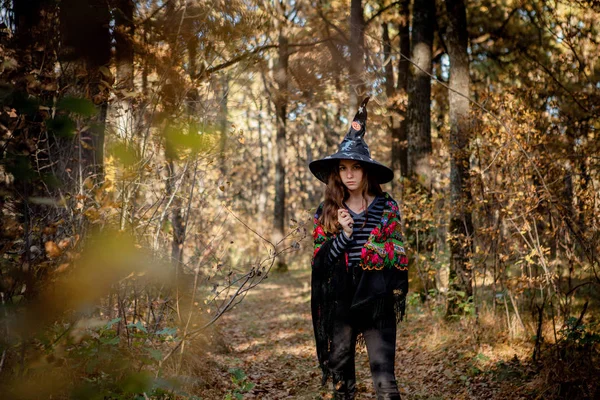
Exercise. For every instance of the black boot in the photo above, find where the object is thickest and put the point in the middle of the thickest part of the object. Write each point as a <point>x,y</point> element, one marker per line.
<point>388,396</point>
<point>344,395</point>
<point>387,390</point>
<point>343,389</point>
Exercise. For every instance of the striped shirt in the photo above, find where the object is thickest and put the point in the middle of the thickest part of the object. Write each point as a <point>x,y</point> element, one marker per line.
<point>360,234</point>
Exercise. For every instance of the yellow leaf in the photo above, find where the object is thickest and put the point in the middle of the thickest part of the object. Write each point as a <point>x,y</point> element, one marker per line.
<point>85,145</point>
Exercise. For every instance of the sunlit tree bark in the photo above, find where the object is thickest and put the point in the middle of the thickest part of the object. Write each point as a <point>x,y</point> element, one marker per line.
<point>357,56</point>
<point>461,225</point>
<point>281,99</point>
<point>396,91</point>
<point>419,89</point>
<point>124,30</point>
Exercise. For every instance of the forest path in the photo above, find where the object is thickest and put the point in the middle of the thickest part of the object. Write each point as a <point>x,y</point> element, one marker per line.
<point>270,338</point>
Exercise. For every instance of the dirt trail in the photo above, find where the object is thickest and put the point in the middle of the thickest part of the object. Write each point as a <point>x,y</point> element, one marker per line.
<point>269,336</point>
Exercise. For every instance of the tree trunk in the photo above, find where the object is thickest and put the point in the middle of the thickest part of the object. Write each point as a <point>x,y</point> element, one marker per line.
<point>124,30</point>
<point>32,25</point>
<point>223,123</point>
<point>419,90</point>
<point>86,49</point>
<point>35,38</point>
<point>461,226</point>
<point>281,99</point>
<point>396,93</point>
<point>263,166</point>
<point>388,66</point>
<point>399,135</point>
<point>357,56</point>
<point>390,91</point>
<point>122,107</point>
<point>171,96</point>
<point>176,220</point>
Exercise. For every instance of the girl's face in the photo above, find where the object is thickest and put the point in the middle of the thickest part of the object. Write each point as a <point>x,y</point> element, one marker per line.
<point>351,174</point>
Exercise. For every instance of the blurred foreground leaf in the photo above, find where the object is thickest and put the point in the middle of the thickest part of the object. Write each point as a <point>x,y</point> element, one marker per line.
<point>77,105</point>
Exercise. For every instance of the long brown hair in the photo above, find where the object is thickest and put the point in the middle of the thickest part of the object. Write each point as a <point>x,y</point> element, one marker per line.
<point>336,194</point>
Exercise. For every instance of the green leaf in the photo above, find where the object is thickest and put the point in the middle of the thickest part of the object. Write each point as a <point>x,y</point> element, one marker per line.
<point>51,180</point>
<point>24,103</point>
<point>110,341</point>
<point>61,126</point>
<point>136,383</point>
<point>238,374</point>
<point>112,322</point>
<point>139,326</point>
<point>125,154</point>
<point>167,331</point>
<point>76,105</point>
<point>21,169</point>
<point>179,142</point>
<point>6,92</point>
<point>155,354</point>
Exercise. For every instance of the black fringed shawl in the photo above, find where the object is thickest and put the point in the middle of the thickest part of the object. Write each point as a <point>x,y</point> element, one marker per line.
<point>322,303</point>
<point>383,280</point>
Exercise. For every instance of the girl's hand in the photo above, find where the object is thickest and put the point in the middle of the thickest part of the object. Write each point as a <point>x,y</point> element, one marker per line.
<point>345,221</point>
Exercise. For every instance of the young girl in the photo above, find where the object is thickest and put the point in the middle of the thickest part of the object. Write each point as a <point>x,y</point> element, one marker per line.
<point>359,266</point>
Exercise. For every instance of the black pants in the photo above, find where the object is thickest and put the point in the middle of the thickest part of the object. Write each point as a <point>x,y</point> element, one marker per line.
<point>381,347</point>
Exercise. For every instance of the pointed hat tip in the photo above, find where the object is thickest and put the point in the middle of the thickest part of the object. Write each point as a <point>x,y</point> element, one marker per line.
<point>362,109</point>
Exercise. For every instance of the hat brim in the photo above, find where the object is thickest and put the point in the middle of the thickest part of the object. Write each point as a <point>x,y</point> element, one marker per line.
<point>323,167</point>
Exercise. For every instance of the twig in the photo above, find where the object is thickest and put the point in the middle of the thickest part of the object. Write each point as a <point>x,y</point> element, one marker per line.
<point>514,304</point>
<point>2,359</point>
<point>164,213</point>
<point>585,306</point>
<point>510,330</point>
<point>381,11</point>
<point>247,227</point>
<point>539,334</point>
<point>577,287</point>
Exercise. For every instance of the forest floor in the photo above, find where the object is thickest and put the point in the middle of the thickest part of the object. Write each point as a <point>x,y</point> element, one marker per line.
<point>269,337</point>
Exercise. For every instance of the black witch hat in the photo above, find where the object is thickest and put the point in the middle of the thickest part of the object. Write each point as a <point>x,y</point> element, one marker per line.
<point>353,147</point>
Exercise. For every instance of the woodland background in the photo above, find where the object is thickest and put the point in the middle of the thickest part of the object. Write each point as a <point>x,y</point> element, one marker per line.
<point>154,173</point>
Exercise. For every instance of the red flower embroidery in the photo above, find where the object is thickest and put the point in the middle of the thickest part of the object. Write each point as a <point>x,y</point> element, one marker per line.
<point>318,232</point>
<point>376,232</point>
<point>389,249</point>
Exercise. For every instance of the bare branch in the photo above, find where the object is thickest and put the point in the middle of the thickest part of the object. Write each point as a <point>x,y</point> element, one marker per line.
<point>381,11</point>
<point>235,60</point>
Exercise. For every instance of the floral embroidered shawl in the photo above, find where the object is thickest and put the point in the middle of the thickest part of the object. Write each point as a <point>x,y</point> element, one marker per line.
<point>384,247</point>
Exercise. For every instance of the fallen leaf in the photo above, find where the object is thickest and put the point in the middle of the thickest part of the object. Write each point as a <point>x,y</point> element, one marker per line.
<point>52,250</point>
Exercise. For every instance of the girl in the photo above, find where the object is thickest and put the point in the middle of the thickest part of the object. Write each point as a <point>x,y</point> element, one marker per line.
<point>359,266</point>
